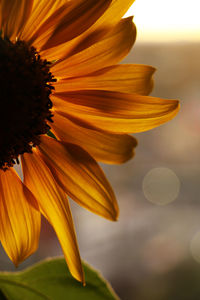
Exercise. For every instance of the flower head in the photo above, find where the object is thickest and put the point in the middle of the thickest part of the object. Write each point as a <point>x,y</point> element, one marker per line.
<point>60,77</point>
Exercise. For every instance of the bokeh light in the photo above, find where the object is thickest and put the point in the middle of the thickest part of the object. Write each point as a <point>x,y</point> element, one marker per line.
<point>161,186</point>
<point>195,247</point>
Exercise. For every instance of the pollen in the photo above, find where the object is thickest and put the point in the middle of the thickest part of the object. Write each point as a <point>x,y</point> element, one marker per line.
<point>26,84</point>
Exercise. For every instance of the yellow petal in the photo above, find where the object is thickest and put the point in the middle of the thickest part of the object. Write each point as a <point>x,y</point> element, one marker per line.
<point>45,31</point>
<point>41,11</point>
<point>80,176</point>
<point>14,14</point>
<point>55,207</point>
<point>103,146</point>
<point>77,19</point>
<point>20,221</point>
<point>116,11</point>
<point>68,49</point>
<point>112,15</point>
<point>116,112</point>
<point>110,50</point>
<point>120,78</point>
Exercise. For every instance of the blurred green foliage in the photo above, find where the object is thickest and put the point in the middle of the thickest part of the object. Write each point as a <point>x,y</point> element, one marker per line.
<point>51,280</point>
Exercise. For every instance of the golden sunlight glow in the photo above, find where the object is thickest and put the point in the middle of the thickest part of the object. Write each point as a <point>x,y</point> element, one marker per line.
<point>164,21</point>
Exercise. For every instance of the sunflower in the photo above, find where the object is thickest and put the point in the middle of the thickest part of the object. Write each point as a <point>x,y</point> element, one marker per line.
<point>66,103</point>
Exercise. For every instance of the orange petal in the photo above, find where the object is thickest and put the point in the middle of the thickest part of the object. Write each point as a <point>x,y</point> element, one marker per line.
<point>112,15</point>
<point>70,48</point>
<point>80,177</point>
<point>120,78</point>
<point>103,146</point>
<point>20,221</point>
<point>14,14</point>
<point>55,207</point>
<point>114,111</point>
<point>115,12</point>
<point>110,50</point>
<point>41,11</point>
<point>45,31</point>
<point>77,19</point>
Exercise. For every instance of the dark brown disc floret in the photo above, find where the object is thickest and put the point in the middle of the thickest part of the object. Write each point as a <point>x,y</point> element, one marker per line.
<point>25,89</point>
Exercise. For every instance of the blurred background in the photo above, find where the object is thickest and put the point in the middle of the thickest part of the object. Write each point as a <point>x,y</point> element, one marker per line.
<point>153,251</point>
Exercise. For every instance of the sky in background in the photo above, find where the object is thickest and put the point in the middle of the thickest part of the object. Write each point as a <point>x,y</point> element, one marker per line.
<point>171,20</point>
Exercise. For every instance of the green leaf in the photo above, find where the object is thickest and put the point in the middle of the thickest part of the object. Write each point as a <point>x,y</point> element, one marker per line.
<point>51,280</point>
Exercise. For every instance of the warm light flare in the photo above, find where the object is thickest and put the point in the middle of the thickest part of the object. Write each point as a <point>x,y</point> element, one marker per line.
<point>164,21</point>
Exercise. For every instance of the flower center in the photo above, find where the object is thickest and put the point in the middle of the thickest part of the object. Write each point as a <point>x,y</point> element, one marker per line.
<point>25,88</point>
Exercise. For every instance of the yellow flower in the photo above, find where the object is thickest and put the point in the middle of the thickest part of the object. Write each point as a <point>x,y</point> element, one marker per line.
<point>59,74</point>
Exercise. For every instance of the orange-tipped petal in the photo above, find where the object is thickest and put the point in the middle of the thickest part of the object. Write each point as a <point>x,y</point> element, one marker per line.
<point>103,146</point>
<point>55,207</point>
<point>20,221</point>
<point>114,111</point>
<point>110,50</point>
<point>120,78</point>
<point>80,177</point>
<point>15,14</point>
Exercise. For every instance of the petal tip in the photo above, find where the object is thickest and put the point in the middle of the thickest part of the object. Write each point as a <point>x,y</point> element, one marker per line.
<point>115,214</point>
<point>176,107</point>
